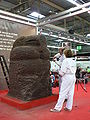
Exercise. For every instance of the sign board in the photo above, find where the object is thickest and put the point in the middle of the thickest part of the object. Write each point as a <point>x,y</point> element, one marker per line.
<point>79,47</point>
<point>9,32</point>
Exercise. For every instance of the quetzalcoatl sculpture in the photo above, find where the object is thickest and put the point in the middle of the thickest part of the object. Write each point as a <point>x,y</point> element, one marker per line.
<point>29,68</point>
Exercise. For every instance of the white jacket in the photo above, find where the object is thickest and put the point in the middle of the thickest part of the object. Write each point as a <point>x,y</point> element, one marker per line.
<point>68,66</point>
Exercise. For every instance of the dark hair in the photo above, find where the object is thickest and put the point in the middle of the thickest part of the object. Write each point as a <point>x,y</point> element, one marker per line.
<point>68,53</point>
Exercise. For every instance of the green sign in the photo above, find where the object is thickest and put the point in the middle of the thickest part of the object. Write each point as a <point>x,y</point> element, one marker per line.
<point>79,47</point>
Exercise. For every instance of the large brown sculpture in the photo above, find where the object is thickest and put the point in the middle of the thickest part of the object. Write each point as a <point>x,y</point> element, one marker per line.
<point>29,68</point>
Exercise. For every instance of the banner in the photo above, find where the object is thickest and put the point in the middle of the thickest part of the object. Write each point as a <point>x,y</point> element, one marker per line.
<point>9,32</point>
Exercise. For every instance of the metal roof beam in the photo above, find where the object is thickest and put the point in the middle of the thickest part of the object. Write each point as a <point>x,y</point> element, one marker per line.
<point>64,17</point>
<point>61,9</point>
<point>53,5</point>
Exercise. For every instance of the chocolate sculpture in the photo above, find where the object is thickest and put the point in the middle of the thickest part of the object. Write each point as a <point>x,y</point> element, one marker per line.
<point>29,68</point>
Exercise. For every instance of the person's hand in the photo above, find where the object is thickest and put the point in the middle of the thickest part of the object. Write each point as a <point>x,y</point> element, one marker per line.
<point>54,59</point>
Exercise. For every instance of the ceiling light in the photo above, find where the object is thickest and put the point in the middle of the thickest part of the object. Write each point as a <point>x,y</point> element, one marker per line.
<point>50,11</point>
<point>48,19</point>
<point>68,36</point>
<point>73,2</point>
<point>37,15</point>
<point>88,36</point>
<point>16,20</point>
<point>18,11</point>
<point>52,46</point>
<point>89,11</point>
<point>59,34</point>
<point>8,14</point>
<point>59,40</point>
<point>50,33</point>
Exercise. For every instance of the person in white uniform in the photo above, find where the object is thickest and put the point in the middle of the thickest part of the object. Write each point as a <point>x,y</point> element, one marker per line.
<point>68,70</point>
<point>60,56</point>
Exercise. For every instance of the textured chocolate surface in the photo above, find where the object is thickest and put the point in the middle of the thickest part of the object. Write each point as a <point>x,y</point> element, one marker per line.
<point>29,68</point>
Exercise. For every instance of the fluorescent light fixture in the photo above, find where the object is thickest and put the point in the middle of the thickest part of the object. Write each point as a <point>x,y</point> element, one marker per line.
<point>52,46</point>
<point>16,16</point>
<point>47,34</point>
<point>37,15</point>
<point>59,40</point>
<point>77,4</point>
<point>89,11</point>
<point>70,39</point>
<point>50,11</point>
<point>87,43</point>
<point>88,35</point>
<point>73,2</point>
<point>64,38</point>
<point>16,20</point>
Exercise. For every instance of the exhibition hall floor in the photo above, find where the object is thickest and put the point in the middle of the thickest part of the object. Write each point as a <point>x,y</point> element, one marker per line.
<point>81,109</point>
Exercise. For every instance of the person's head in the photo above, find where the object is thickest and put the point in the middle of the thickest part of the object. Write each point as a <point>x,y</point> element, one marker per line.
<point>61,50</point>
<point>68,53</point>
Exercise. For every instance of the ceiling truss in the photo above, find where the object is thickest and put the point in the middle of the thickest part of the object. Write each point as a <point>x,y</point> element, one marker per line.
<point>62,9</point>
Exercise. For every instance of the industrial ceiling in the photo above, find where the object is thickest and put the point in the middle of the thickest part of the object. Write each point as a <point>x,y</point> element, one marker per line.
<point>75,27</point>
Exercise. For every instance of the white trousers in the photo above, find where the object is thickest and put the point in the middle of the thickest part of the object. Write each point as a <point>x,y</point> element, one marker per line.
<point>67,88</point>
<point>60,81</point>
